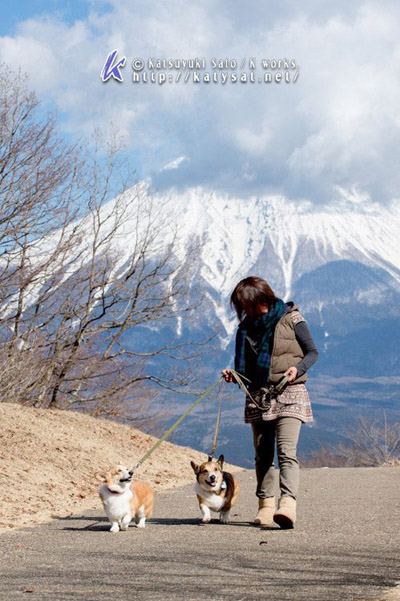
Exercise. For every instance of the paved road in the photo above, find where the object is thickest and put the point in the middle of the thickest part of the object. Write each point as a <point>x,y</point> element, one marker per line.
<point>345,546</point>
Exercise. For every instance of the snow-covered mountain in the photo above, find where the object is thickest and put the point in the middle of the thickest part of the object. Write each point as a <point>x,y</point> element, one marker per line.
<point>340,263</point>
<point>286,242</point>
<point>329,255</point>
<point>239,233</point>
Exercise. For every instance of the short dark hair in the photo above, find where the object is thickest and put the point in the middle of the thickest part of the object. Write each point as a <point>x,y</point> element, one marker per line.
<point>251,292</point>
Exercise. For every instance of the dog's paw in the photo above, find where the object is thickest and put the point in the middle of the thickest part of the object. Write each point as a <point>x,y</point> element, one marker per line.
<point>140,524</point>
<point>224,518</point>
<point>114,528</point>
<point>124,527</point>
<point>206,520</point>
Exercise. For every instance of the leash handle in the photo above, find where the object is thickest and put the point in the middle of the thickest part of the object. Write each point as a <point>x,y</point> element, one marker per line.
<point>281,384</point>
<point>239,380</point>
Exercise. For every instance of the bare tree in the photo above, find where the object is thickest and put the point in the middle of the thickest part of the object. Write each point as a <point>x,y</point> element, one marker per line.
<point>80,274</point>
<point>112,293</point>
<point>37,176</point>
<point>372,442</point>
<point>369,443</point>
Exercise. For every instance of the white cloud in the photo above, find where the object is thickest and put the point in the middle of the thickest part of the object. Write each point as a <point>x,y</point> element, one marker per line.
<point>336,126</point>
<point>35,56</point>
<point>176,163</point>
<point>253,142</point>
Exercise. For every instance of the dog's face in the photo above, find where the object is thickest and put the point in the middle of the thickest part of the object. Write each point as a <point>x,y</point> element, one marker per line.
<point>209,474</point>
<point>117,479</point>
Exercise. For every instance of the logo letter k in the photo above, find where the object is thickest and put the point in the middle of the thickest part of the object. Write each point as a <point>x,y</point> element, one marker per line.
<point>110,69</point>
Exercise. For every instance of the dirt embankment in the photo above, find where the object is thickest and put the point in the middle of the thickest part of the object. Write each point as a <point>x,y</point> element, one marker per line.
<point>48,459</point>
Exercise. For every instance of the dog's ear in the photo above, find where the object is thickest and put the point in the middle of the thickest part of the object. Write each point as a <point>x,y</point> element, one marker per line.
<point>100,477</point>
<point>220,462</point>
<point>195,468</point>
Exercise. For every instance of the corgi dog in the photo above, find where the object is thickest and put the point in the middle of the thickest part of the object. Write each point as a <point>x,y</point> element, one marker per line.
<point>216,490</point>
<point>122,500</point>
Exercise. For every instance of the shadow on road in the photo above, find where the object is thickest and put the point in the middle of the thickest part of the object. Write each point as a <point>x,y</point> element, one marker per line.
<point>102,524</point>
<point>76,518</point>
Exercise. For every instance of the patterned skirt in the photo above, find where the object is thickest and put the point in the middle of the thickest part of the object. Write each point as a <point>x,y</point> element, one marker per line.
<point>293,402</point>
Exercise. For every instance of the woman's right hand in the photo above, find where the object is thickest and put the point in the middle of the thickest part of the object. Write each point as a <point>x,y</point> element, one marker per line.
<point>227,375</point>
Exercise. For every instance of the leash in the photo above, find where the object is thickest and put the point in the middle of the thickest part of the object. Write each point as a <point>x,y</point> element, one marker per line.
<point>277,388</point>
<point>215,439</point>
<point>176,424</point>
<point>239,379</point>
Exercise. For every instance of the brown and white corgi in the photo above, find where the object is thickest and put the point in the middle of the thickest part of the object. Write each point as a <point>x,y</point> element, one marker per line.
<point>216,490</point>
<point>123,499</point>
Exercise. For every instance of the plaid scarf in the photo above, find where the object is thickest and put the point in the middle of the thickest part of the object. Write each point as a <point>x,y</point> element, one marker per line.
<point>259,333</point>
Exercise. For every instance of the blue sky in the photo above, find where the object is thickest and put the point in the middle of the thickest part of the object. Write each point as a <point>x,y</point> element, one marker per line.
<point>13,12</point>
<point>333,132</point>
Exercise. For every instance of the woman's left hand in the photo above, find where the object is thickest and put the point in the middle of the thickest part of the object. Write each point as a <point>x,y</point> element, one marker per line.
<point>292,373</point>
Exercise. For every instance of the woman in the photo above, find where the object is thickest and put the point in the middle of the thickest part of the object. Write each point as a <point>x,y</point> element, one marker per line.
<point>273,341</point>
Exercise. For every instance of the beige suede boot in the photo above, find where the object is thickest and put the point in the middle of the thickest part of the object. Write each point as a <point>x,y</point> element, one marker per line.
<point>285,516</point>
<point>266,510</point>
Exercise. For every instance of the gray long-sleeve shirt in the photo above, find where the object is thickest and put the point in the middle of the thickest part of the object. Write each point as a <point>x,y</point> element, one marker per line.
<point>307,344</point>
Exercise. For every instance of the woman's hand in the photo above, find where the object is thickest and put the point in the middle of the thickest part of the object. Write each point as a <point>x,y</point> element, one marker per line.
<point>227,375</point>
<point>292,373</point>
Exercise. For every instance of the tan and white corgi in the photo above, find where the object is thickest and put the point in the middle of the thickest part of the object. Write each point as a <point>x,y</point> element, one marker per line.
<point>216,490</point>
<point>123,499</point>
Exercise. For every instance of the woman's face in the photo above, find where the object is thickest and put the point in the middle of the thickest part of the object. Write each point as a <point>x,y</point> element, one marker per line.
<point>256,310</point>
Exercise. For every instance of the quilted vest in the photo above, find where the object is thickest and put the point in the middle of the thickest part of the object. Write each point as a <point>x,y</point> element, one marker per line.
<point>286,351</point>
